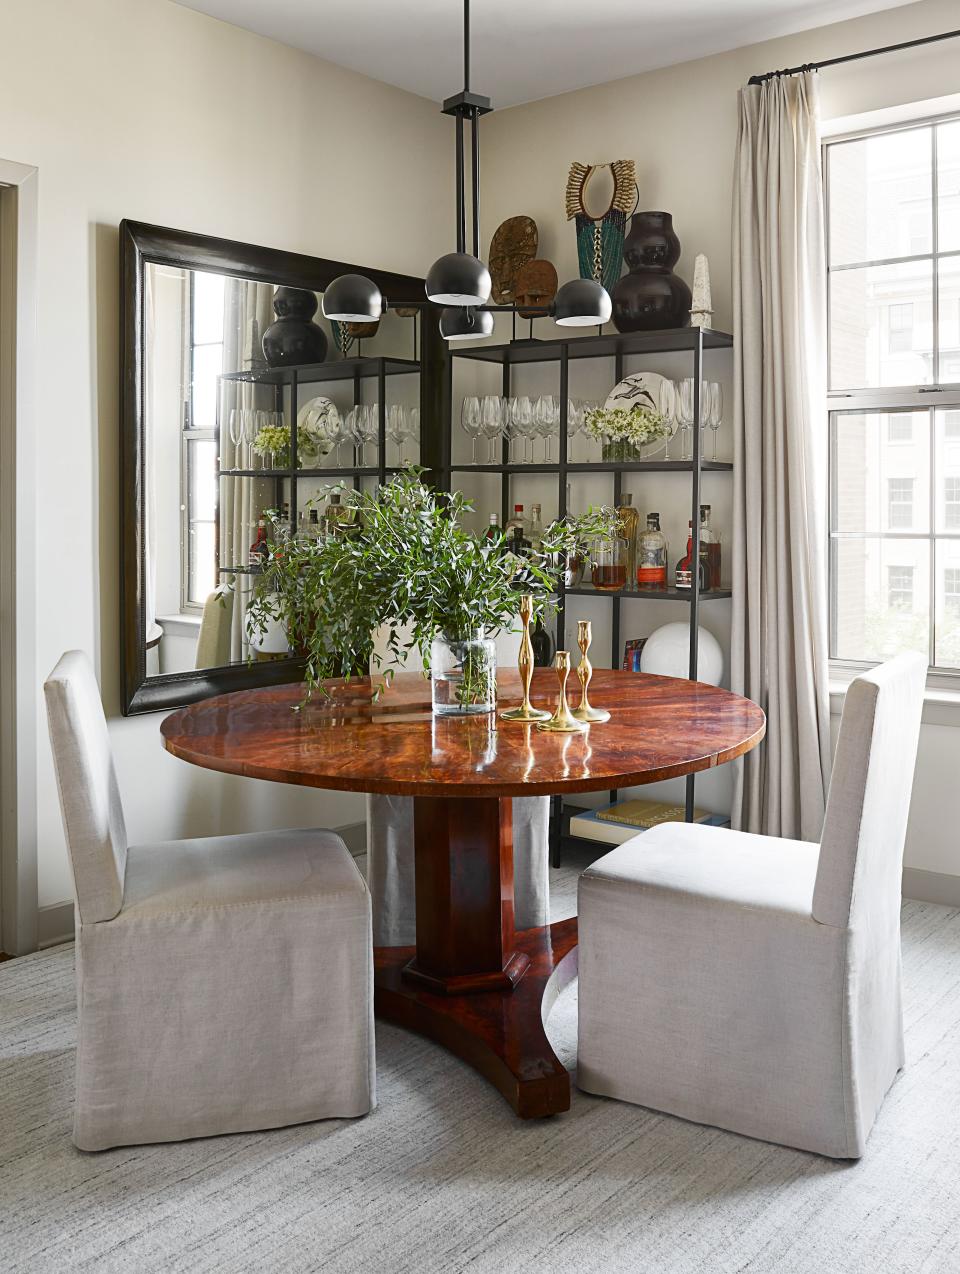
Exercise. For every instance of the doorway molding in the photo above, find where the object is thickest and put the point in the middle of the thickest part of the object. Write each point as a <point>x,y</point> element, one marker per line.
<point>18,612</point>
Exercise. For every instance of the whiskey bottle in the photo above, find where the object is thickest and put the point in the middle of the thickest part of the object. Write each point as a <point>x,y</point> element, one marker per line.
<point>534,528</point>
<point>516,521</point>
<point>709,548</point>
<point>652,555</point>
<point>685,567</point>
<point>628,520</point>
<point>493,531</point>
<point>260,548</point>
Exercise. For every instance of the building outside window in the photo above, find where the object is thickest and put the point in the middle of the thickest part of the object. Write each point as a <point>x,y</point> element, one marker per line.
<point>893,257</point>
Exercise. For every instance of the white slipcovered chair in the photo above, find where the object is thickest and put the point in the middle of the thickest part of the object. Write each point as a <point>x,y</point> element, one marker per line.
<point>753,983</point>
<point>224,984</point>
<point>390,857</point>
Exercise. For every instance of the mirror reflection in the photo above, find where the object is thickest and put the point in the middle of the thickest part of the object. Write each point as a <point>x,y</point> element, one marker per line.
<point>256,408</point>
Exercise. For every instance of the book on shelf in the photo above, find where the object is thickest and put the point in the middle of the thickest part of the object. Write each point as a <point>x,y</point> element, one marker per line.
<point>614,824</point>
<point>631,653</point>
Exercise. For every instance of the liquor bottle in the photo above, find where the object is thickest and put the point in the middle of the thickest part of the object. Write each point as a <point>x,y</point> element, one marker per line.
<point>335,515</point>
<point>260,548</point>
<point>542,645</point>
<point>516,521</point>
<point>652,555</point>
<point>685,566</point>
<point>710,547</point>
<point>628,519</point>
<point>534,528</point>
<point>313,530</point>
<point>493,531</point>
<point>519,544</point>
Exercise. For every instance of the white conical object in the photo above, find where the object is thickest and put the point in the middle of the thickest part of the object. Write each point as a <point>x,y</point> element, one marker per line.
<point>702,309</point>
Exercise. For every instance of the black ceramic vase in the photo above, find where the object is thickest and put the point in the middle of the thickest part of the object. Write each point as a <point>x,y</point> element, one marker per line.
<point>651,296</point>
<point>293,339</point>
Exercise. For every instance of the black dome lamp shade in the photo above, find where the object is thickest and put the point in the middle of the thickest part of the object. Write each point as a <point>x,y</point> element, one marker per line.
<point>353,298</point>
<point>458,279</point>
<point>463,323</point>
<point>582,303</point>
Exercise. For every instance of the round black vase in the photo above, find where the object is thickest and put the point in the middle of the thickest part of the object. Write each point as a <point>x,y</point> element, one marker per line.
<point>651,296</point>
<point>293,339</point>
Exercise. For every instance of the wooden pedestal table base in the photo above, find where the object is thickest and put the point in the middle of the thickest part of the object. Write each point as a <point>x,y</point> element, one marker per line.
<point>471,983</point>
<point>498,1033</point>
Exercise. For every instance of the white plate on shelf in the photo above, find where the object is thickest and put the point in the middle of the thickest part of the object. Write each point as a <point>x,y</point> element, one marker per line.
<point>640,389</point>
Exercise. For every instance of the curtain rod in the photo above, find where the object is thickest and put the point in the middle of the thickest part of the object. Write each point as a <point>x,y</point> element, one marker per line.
<point>853,57</point>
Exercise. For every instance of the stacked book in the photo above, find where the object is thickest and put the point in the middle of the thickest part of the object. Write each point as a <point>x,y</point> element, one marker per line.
<point>614,824</point>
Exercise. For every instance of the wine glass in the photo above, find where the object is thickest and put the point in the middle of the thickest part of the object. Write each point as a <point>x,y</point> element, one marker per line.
<point>522,414</point>
<point>237,436</point>
<point>667,405</point>
<point>470,422</point>
<point>370,425</point>
<point>574,425</point>
<point>716,411</point>
<point>398,430</point>
<point>413,427</point>
<point>491,424</point>
<point>544,415</point>
<point>686,415</point>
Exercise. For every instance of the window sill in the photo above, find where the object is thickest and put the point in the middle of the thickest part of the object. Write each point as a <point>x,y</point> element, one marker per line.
<point>186,625</point>
<point>940,707</point>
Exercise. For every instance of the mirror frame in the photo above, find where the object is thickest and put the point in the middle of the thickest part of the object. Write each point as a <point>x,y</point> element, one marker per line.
<point>142,244</point>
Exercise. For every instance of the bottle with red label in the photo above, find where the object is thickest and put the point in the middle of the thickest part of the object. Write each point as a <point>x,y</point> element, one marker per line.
<point>685,567</point>
<point>652,555</point>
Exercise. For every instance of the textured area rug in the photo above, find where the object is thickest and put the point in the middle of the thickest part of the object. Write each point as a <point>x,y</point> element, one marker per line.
<point>442,1178</point>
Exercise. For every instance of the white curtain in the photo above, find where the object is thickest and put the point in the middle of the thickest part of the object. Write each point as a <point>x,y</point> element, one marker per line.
<point>241,499</point>
<point>779,640</point>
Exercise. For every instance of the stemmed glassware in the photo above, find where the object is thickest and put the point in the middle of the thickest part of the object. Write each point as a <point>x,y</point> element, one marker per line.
<point>470,422</point>
<point>686,417</point>
<point>667,405</point>
<point>522,415</point>
<point>237,436</point>
<point>715,418</point>
<point>545,417</point>
<point>491,424</point>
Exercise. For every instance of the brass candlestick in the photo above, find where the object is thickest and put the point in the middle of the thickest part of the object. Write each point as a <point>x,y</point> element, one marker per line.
<point>584,672</point>
<point>526,711</point>
<point>563,720</point>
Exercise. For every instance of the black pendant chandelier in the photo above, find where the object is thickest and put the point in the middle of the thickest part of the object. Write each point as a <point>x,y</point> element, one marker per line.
<point>459,281</point>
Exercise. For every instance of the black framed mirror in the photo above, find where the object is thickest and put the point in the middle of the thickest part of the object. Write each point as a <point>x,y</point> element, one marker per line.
<point>241,406</point>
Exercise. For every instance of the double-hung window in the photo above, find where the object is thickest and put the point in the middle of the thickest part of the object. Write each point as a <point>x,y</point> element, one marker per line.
<point>893,256</point>
<point>198,454</point>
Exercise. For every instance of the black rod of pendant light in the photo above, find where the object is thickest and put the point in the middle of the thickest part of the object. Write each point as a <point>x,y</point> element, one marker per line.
<point>475,179</point>
<point>854,57</point>
<point>461,209</point>
<point>466,46</point>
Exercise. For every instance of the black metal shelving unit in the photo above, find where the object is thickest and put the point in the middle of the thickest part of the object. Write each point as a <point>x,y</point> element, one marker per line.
<point>564,350</point>
<point>286,383</point>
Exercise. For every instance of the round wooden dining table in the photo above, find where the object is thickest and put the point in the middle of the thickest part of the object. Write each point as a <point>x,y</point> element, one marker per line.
<point>472,982</point>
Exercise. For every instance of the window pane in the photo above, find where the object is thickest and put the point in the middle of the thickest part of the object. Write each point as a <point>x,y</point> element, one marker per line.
<point>207,308</point>
<point>948,470</point>
<point>948,604</point>
<point>950,321</point>
<point>882,597</point>
<point>202,471</point>
<point>879,482</point>
<point>948,177</point>
<point>880,197</point>
<point>203,573</point>
<point>881,326</point>
<point>207,366</point>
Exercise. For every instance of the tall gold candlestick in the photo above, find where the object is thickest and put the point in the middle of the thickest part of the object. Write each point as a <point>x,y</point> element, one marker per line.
<point>526,711</point>
<point>584,672</point>
<point>563,721</point>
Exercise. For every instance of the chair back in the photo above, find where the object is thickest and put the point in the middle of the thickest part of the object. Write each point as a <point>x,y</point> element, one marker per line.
<point>216,626</point>
<point>89,793</point>
<point>861,850</point>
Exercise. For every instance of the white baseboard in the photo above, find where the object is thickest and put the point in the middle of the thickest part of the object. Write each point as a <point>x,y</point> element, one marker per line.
<point>54,924</point>
<point>931,886</point>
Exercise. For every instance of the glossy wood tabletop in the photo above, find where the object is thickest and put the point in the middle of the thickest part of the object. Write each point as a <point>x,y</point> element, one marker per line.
<point>660,727</point>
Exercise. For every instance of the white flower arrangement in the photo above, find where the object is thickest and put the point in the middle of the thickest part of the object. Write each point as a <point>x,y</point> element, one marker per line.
<point>636,425</point>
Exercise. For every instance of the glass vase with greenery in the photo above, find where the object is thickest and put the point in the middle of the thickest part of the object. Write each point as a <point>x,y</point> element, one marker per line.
<point>404,564</point>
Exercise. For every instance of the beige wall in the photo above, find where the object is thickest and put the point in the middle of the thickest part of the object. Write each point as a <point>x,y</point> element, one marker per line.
<point>143,109</point>
<point>680,125</point>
